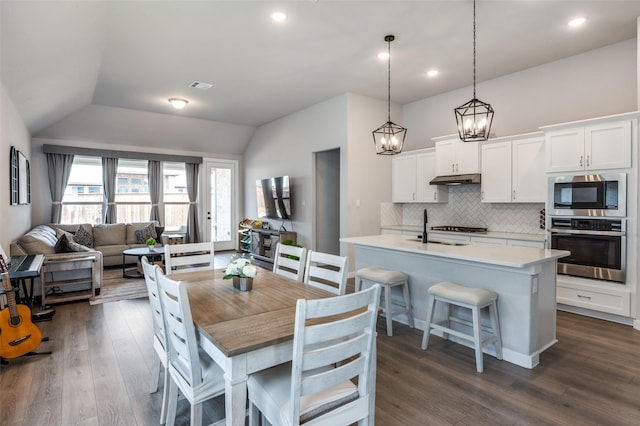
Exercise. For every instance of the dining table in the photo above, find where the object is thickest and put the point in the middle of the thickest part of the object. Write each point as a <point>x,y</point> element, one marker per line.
<point>244,331</point>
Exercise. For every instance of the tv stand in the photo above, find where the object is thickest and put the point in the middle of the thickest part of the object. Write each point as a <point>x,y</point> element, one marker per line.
<point>261,243</point>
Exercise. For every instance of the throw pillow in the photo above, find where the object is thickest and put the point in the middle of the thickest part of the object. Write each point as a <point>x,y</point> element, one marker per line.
<point>61,232</point>
<point>73,246</point>
<point>62,245</point>
<point>83,237</point>
<point>143,234</point>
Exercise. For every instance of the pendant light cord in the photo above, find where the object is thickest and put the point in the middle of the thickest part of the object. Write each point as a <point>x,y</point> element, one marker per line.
<point>389,81</point>
<point>474,49</point>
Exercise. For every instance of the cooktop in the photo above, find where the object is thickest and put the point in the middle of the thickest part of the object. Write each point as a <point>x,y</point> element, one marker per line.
<point>460,229</point>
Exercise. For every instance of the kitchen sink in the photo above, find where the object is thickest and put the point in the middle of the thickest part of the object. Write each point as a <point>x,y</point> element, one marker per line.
<point>443,242</point>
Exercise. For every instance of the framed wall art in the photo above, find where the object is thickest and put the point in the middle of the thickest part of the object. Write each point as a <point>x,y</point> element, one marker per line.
<point>19,178</point>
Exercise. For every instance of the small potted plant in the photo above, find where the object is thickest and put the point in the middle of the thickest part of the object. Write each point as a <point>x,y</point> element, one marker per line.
<point>242,271</point>
<point>151,243</point>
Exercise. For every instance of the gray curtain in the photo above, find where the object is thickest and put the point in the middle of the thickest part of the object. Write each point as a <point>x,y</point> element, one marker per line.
<point>109,170</point>
<point>192,190</point>
<point>59,168</point>
<point>154,171</point>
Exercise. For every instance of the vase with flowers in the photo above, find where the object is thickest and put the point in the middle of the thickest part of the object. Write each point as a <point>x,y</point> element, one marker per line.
<point>242,271</point>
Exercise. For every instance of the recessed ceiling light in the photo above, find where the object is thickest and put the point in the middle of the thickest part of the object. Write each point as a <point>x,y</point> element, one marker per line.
<point>383,56</point>
<point>432,73</point>
<point>178,103</point>
<point>279,16</point>
<point>576,22</point>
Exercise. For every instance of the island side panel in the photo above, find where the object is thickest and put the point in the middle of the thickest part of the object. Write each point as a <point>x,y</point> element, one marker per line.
<point>524,295</point>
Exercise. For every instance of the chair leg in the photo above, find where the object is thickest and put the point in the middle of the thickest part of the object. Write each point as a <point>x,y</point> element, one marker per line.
<point>165,397</point>
<point>407,303</point>
<point>388,312</point>
<point>358,284</point>
<point>431,307</point>
<point>477,338</point>
<point>196,414</point>
<point>155,374</point>
<point>493,312</point>
<point>254,415</point>
<point>172,404</point>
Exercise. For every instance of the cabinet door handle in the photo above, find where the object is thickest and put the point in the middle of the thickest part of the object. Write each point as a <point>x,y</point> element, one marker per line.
<point>514,194</point>
<point>588,160</point>
<point>453,167</point>
<point>456,167</point>
<point>580,296</point>
<point>435,196</point>
<point>414,196</point>
<point>481,195</point>
<point>581,161</point>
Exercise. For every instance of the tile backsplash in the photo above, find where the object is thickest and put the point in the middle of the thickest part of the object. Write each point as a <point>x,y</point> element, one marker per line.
<point>465,209</point>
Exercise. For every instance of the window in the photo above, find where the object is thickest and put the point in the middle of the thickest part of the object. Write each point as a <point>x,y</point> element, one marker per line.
<point>132,191</point>
<point>82,200</point>
<point>176,199</point>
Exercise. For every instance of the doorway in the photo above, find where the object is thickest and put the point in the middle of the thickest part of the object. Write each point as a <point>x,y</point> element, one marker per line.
<point>327,201</point>
<point>219,191</point>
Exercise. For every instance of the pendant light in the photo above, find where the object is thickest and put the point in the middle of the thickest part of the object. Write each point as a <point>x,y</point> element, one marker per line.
<point>474,118</point>
<point>389,137</point>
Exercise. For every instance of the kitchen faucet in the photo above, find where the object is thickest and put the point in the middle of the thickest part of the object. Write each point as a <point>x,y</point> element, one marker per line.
<point>424,227</point>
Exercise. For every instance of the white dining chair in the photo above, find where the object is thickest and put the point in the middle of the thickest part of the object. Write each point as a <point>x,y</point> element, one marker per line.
<point>192,372</point>
<point>161,360</point>
<point>326,271</point>
<point>289,261</point>
<point>192,256</point>
<point>310,389</point>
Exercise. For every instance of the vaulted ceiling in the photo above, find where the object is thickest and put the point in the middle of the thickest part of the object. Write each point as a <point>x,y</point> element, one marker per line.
<point>58,57</point>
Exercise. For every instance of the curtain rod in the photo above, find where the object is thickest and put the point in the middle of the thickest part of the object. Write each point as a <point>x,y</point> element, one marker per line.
<point>91,152</point>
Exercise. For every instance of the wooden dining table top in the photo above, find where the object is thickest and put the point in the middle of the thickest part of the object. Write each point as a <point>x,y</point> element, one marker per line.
<point>241,321</point>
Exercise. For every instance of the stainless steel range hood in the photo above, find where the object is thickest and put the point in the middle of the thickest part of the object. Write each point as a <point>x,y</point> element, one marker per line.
<point>473,178</point>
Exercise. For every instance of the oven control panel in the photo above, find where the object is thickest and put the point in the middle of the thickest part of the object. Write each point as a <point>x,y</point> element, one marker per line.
<point>615,225</point>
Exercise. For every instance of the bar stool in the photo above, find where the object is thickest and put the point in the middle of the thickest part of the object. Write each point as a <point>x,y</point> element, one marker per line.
<point>471,298</point>
<point>388,279</point>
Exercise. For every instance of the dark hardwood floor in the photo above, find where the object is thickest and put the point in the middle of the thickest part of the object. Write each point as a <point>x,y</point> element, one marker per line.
<point>99,369</point>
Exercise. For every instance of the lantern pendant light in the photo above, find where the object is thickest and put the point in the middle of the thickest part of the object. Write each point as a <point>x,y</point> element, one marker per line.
<point>389,137</point>
<point>474,118</point>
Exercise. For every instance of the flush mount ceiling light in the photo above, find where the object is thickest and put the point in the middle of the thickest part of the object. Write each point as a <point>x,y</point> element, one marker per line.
<point>389,137</point>
<point>577,22</point>
<point>474,118</point>
<point>178,103</point>
<point>279,16</point>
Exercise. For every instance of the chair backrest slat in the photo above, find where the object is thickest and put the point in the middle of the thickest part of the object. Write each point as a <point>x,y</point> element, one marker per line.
<point>154,301</point>
<point>194,256</point>
<point>289,261</point>
<point>326,271</point>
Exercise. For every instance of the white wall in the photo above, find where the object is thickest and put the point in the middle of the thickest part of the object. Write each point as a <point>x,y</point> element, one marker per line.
<point>285,147</point>
<point>596,83</point>
<point>14,220</point>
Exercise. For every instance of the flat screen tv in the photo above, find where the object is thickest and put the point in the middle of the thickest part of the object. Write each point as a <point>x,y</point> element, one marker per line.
<point>274,197</point>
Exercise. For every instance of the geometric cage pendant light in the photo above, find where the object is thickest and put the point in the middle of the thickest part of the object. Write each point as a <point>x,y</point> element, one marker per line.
<point>474,118</point>
<point>389,137</point>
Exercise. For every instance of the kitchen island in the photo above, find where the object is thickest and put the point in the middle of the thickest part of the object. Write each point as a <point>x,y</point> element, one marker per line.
<point>523,277</point>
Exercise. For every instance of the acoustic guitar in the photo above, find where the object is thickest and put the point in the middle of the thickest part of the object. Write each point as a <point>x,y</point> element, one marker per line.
<point>18,335</point>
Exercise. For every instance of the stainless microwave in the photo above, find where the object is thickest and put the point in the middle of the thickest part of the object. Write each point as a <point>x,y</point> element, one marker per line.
<point>588,195</point>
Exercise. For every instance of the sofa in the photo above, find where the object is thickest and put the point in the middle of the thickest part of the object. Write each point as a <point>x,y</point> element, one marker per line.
<point>105,241</point>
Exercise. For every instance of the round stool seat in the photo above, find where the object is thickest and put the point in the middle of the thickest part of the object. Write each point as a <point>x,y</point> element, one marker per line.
<point>467,295</point>
<point>382,276</point>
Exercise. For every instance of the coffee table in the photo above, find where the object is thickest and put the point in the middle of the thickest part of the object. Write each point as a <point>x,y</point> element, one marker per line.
<point>153,254</point>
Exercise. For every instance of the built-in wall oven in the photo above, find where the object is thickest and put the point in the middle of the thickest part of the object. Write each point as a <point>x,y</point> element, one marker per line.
<point>597,246</point>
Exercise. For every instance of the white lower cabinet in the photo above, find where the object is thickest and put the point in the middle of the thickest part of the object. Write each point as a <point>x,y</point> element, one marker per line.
<point>595,297</point>
<point>526,243</point>
<point>486,240</point>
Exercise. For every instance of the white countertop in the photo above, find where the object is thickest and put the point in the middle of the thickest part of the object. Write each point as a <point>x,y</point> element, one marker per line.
<point>510,256</point>
<point>489,234</point>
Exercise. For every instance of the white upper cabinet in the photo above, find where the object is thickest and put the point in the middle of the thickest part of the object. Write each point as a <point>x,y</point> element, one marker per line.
<point>528,177</point>
<point>454,157</point>
<point>589,147</point>
<point>513,171</point>
<point>403,178</point>
<point>426,171</point>
<point>496,172</point>
<point>411,173</point>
